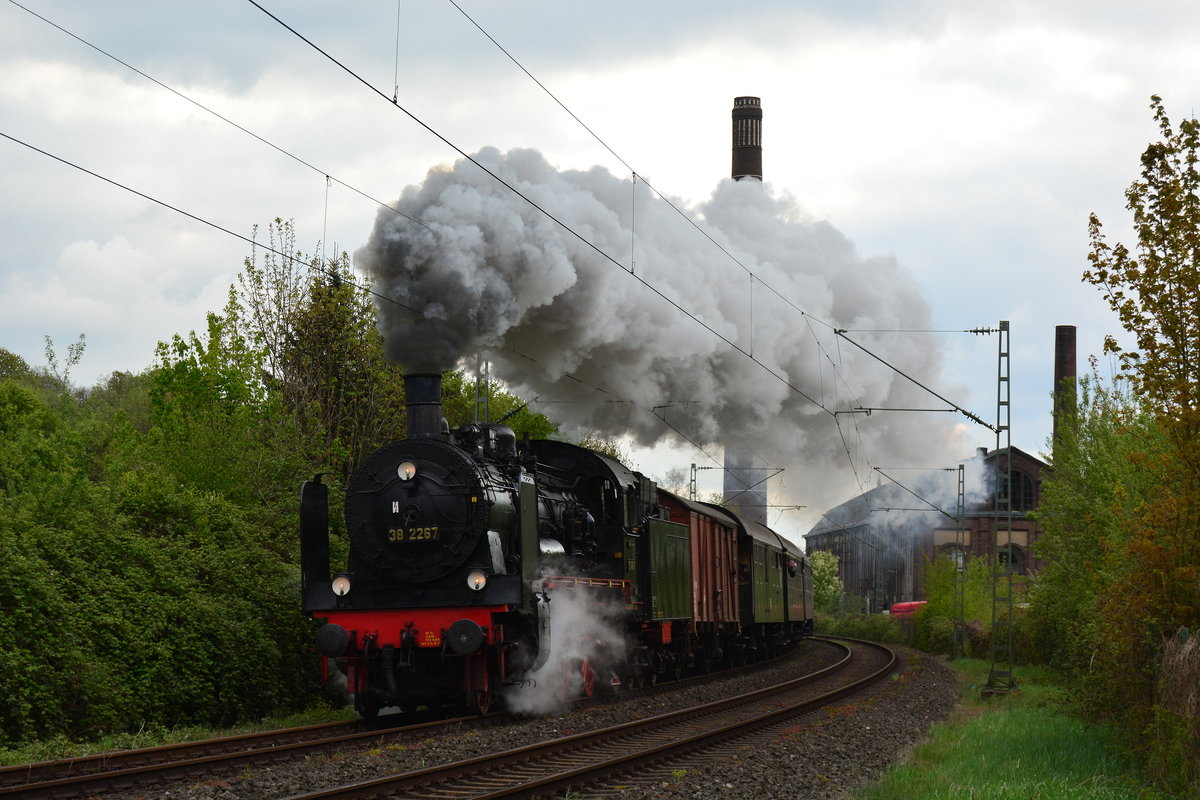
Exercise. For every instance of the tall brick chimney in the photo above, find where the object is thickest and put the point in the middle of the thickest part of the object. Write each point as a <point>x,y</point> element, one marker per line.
<point>1065,377</point>
<point>747,138</point>
<point>746,473</point>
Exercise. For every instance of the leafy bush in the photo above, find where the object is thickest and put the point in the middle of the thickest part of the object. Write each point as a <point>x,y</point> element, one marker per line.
<point>134,600</point>
<point>936,635</point>
<point>150,525</point>
<point>872,627</point>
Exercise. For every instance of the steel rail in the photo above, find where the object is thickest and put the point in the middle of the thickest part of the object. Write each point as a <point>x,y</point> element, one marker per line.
<point>92,773</point>
<point>522,772</point>
<point>150,764</point>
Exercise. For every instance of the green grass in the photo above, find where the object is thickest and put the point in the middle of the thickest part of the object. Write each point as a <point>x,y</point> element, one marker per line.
<point>153,736</point>
<point>1017,746</point>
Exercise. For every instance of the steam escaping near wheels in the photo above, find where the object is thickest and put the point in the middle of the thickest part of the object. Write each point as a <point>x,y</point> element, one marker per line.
<point>586,640</point>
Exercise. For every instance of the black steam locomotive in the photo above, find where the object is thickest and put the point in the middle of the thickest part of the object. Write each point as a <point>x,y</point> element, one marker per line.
<point>460,542</point>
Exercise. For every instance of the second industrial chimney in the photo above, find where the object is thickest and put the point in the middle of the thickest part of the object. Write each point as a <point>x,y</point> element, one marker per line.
<point>746,474</point>
<point>747,138</point>
<point>1065,379</point>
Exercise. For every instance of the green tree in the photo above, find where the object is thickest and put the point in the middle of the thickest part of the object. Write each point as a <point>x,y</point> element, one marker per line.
<point>62,375</point>
<point>12,365</point>
<point>459,394</point>
<point>609,446</point>
<point>827,586</point>
<point>130,598</point>
<point>321,352</point>
<point>935,622</point>
<point>210,404</point>
<point>1153,289</point>
<point>1154,588</point>
<point>1090,498</point>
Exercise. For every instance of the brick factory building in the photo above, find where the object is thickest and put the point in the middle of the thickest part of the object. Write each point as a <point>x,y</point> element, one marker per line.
<point>884,537</point>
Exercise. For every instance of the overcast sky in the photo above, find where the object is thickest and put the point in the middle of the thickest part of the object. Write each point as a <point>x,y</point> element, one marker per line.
<point>968,141</point>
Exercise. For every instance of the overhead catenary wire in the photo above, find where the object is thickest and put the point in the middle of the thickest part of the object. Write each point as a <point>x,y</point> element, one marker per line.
<point>316,266</point>
<point>396,72</point>
<point>541,209</point>
<point>218,115</point>
<point>320,267</point>
<point>932,506</point>
<point>809,318</point>
<point>842,333</point>
<point>327,177</point>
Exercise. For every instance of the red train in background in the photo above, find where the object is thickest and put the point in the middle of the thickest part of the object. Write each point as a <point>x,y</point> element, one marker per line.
<point>907,609</point>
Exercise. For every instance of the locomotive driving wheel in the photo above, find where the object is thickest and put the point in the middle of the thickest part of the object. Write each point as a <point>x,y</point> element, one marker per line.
<point>367,705</point>
<point>478,690</point>
<point>589,677</point>
<point>482,701</point>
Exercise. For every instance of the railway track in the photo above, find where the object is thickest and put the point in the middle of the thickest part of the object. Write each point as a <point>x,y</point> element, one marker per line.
<point>589,760</point>
<point>111,771</point>
<point>75,777</point>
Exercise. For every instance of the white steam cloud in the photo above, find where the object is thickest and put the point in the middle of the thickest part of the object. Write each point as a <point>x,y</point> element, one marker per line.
<point>490,273</point>
<point>581,630</point>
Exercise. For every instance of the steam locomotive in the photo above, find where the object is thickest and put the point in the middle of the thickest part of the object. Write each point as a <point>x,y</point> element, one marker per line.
<point>462,542</point>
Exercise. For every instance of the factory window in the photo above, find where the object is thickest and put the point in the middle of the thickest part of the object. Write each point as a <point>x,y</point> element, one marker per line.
<point>1014,556</point>
<point>1022,499</point>
<point>956,554</point>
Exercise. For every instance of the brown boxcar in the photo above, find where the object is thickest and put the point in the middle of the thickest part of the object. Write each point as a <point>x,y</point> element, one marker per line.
<point>715,602</point>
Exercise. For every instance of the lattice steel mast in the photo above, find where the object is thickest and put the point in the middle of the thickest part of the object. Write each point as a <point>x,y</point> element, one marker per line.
<point>1000,676</point>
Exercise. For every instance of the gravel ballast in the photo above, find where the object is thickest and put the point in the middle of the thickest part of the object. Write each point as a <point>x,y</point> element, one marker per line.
<point>832,752</point>
<point>822,756</point>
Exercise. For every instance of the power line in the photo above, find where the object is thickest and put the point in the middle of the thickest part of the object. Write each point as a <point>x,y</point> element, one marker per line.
<point>292,258</point>
<point>809,318</point>
<point>664,198</point>
<point>293,156</point>
<point>932,506</point>
<point>842,333</point>
<point>567,228</point>
<point>219,116</point>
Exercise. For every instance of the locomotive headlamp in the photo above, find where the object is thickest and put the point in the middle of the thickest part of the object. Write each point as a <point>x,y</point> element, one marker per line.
<point>407,470</point>
<point>340,585</point>
<point>477,580</point>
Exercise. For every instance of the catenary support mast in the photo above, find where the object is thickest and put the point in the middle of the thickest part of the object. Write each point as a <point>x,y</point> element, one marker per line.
<point>1000,676</point>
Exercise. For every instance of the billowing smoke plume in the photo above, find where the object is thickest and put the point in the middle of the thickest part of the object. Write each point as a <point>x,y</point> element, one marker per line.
<point>490,273</point>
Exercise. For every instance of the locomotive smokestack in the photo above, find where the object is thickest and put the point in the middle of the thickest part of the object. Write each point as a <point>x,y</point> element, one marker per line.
<point>747,139</point>
<point>1064,377</point>
<point>423,401</point>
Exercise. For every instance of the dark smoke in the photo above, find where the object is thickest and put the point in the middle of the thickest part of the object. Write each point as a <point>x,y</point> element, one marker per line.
<point>492,273</point>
